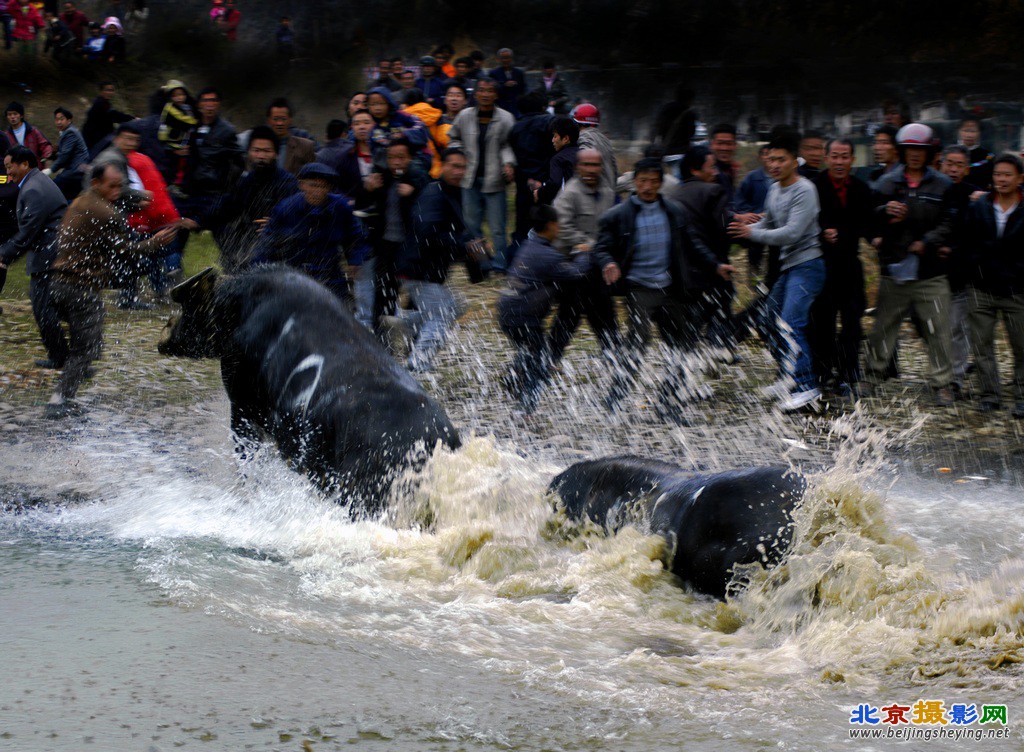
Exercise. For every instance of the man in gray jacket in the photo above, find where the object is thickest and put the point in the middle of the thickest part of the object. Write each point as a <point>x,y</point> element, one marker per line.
<point>40,209</point>
<point>71,154</point>
<point>579,205</point>
<point>790,223</point>
<point>482,133</point>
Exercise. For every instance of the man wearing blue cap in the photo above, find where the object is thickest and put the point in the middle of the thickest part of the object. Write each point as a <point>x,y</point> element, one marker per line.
<point>315,231</point>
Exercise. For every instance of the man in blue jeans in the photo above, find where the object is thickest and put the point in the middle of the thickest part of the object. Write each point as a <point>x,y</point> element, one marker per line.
<point>790,222</point>
<point>439,237</point>
<point>482,133</point>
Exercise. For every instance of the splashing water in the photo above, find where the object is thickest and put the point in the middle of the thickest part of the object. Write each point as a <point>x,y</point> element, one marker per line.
<point>885,596</point>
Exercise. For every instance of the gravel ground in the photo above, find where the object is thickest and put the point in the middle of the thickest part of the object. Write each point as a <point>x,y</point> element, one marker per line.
<point>134,383</point>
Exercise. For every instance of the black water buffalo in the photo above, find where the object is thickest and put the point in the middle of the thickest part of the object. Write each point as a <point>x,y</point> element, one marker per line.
<point>298,367</point>
<point>712,522</point>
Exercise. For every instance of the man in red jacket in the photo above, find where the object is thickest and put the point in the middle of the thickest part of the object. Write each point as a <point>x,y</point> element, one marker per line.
<point>20,133</point>
<point>77,23</point>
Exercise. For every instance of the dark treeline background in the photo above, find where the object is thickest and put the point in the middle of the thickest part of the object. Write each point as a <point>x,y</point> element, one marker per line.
<point>796,61</point>
<point>688,32</point>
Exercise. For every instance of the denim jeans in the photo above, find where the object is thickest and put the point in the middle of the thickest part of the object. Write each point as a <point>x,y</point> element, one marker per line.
<point>364,290</point>
<point>789,306</point>
<point>474,203</point>
<point>436,310</point>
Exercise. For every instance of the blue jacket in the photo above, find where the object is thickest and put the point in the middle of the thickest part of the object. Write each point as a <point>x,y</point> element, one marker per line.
<point>530,140</point>
<point>537,273</point>
<point>508,96</point>
<point>439,236</point>
<point>398,124</point>
<point>752,192</point>
<point>311,239</point>
<point>433,90</point>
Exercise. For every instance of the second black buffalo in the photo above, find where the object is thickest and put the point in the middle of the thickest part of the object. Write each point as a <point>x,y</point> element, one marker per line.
<point>712,521</point>
<point>298,367</point>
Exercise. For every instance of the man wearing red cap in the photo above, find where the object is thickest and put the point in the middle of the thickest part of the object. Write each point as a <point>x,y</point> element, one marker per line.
<point>588,118</point>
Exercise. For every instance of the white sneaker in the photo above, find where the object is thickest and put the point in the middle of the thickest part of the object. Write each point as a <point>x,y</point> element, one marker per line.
<point>799,399</point>
<point>780,389</point>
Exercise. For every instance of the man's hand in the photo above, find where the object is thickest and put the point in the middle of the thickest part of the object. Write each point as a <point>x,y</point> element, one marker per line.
<point>917,248</point>
<point>896,210</point>
<point>165,235</point>
<point>582,248</point>
<point>748,218</point>
<point>725,271</point>
<point>533,184</point>
<point>738,229</point>
<point>261,223</point>
<point>876,243</point>
<point>831,235</point>
<point>944,252</point>
<point>373,182</point>
<point>182,152</point>
<point>611,273</point>
<point>508,172</point>
<point>478,250</point>
<point>188,224</point>
<point>405,190</point>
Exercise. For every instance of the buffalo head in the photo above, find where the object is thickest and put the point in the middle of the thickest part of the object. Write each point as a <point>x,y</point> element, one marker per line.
<point>196,332</point>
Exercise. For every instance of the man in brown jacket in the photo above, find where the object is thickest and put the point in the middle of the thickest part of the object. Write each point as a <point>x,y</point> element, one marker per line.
<point>293,151</point>
<point>93,240</point>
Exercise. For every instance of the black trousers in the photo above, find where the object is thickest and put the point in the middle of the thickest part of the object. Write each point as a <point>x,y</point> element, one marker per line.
<point>47,318</point>
<point>843,297</point>
<point>524,203</point>
<point>677,315</point>
<point>385,281</point>
<point>82,308</point>
<point>531,364</point>
<point>592,298</point>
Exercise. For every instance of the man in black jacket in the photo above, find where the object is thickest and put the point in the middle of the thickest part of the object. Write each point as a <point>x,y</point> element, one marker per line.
<point>565,135</point>
<point>511,82</point>
<point>244,211</point>
<point>439,238</point>
<point>994,242</point>
<point>649,248</point>
<point>530,139</point>
<point>392,193</point>
<point>101,118</point>
<point>956,166</point>
<point>214,159</point>
<point>706,203</point>
<point>846,216</point>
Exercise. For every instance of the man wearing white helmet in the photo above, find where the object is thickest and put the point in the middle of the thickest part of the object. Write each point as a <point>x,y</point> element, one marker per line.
<point>588,118</point>
<point>912,244</point>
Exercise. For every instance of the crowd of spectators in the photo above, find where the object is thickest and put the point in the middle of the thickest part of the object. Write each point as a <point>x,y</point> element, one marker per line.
<point>415,173</point>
